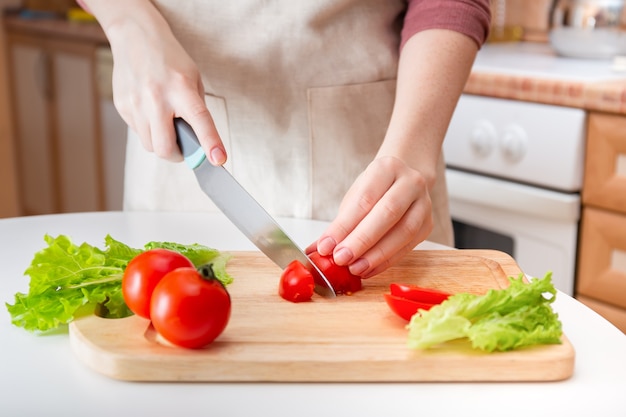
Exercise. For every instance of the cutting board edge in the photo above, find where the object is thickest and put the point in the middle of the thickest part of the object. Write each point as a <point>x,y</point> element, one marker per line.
<point>555,363</point>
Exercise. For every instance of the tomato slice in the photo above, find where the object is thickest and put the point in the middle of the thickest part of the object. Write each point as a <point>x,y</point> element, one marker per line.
<point>296,283</point>
<point>340,278</point>
<point>419,294</point>
<point>404,307</point>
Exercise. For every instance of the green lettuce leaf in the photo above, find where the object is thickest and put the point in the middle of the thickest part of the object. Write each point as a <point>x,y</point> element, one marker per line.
<point>517,316</point>
<point>69,280</point>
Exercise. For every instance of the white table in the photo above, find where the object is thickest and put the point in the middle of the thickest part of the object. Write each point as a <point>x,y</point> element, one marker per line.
<point>40,376</point>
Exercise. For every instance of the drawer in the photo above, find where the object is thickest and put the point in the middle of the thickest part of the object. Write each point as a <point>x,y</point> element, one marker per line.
<point>605,165</point>
<point>602,257</point>
<point>615,315</point>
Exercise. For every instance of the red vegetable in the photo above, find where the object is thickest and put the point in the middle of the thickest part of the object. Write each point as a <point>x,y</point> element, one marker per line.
<point>190,308</point>
<point>339,277</point>
<point>404,307</point>
<point>406,299</point>
<point>144,272</point>
<point>415,293</point>
<point>296,283</point>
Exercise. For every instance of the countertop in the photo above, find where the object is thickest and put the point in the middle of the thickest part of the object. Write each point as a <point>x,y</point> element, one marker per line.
<point>533,72</point>
<point>39,375</point>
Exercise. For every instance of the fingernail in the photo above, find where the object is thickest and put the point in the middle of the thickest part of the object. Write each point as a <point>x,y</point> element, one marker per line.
<point>359,267</point>
<point>343,256</point>
<point>326,246</point>
<point>218,156</point>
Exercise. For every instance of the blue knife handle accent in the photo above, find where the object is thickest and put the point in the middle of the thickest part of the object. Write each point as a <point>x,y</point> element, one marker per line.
<point>188,143</point>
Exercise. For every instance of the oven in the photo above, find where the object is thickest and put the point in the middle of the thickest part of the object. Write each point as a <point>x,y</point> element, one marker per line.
<point>514,174</point>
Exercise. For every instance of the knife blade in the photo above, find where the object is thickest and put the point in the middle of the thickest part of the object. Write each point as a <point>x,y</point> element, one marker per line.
<point>243,210</point>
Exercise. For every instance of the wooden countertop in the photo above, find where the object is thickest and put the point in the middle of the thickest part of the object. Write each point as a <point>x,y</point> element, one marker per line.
<point>596,86</point>
<point>605,96</point>
<point>60,28</point>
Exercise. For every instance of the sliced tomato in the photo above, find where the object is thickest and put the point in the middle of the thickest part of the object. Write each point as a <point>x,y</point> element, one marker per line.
<point>340,278</point>
<point>296,283</point>
<point>419,294</point>
<point>404,307</point>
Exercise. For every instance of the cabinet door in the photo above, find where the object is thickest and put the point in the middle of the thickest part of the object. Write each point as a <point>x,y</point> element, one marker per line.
<point>605,165</point>
<point>602,259</point>
<point>36,153</point>
<point>77,138</point>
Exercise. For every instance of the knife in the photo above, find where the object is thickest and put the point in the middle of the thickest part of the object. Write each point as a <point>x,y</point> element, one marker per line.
<point>243,210</point>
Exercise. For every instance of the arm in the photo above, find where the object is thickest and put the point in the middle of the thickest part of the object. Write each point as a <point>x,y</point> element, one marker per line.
<point>154,79</point>
<point>387,211</point>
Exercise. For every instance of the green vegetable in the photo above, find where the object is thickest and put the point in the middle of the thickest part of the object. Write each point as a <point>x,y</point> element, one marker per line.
<point>68,281</point>
<point>517,316</point>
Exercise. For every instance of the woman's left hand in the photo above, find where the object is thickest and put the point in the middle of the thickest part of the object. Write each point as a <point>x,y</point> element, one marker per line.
<point>383,216</point>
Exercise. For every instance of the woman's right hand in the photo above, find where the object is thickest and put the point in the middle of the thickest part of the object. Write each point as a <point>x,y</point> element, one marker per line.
<point>154,79</point>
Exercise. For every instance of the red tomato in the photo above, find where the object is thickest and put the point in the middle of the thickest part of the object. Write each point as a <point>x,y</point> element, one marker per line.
<point>296,283</point>
<point>415,293</point>
<point>144,272</point>
<point>339,277</point>
<point>404,307</point>
<point>189,308</point>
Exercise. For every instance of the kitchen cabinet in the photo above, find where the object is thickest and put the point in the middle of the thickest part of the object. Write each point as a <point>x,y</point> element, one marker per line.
<point>65,163</point>
<point>9,202</point>
<point>601,282</point>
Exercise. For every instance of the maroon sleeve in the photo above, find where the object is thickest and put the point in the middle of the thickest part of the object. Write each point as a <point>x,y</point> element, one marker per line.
<point>469,17</point>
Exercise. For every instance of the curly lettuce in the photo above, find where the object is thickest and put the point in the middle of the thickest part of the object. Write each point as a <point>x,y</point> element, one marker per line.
<point>501,320</point>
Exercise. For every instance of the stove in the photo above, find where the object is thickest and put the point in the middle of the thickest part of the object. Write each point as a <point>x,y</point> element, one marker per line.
<point>515,169</point>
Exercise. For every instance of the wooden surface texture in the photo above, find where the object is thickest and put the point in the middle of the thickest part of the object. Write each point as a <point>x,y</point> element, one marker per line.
<point>349,338</point>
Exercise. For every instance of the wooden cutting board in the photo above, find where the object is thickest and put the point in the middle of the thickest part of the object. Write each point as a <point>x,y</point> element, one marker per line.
<point>349,338</point>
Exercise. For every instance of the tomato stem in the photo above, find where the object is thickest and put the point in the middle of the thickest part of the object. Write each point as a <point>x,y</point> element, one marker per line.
<point>207,271</point>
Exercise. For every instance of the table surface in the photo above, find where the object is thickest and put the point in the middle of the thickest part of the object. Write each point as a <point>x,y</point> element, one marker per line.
<point>39,375</point>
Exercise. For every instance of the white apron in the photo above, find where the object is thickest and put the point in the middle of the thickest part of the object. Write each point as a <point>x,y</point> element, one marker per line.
<point>301,94</point>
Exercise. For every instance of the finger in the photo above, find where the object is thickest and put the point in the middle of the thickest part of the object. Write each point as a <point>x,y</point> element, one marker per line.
<point>164,138</point>
<point>414,227</point>
<point>199,118</point>
<point>142,130</point>
<point>357,203</point>
<point>383,216</point>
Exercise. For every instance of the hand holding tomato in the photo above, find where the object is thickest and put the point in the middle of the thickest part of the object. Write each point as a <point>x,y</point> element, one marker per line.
<point>383,216</point>
<point>340,277</point>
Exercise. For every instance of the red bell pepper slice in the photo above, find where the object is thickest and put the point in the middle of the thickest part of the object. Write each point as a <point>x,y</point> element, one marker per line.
<point>404,307</point>
<point>406,299</point>
<point>421,294</point>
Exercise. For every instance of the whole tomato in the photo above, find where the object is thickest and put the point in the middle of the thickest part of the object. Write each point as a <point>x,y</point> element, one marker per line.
<point>340,278</point>
<point>144,272</point>
<point>296,283</point>
<point>190,308</point>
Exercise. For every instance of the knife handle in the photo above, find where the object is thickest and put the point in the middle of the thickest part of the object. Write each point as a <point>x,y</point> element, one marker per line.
<point>188,143</point>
